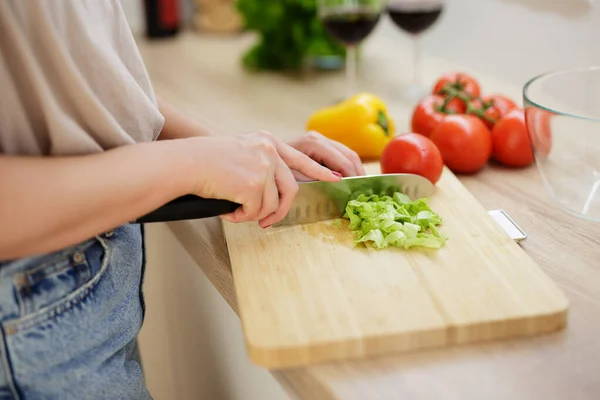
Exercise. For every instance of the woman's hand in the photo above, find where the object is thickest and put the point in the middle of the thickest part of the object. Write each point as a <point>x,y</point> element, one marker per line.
<point>330,153</point>
<point>253,170</point>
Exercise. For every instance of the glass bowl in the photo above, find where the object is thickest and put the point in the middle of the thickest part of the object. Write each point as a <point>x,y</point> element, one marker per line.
<point>562,112</point>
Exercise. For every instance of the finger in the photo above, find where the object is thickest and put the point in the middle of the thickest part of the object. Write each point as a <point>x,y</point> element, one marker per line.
<point>300,177</point>
<point>334,159</point>
<point>288,188</point>
<point>306,165</point>
<point>332,154</point>
<point>250,208</point>
<point>270,200</point>
<point>350,155</point>
<point>246,212</point>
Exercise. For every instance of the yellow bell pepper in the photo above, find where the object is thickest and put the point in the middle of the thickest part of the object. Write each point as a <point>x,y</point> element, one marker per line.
<point>360,122</point>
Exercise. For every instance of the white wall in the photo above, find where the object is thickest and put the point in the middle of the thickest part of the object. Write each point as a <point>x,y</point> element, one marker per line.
<point>133,11</point>
<point>512,40</point>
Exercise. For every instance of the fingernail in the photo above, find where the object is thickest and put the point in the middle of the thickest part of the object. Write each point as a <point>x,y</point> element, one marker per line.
<point>336,174</point>
<point>265,227</point>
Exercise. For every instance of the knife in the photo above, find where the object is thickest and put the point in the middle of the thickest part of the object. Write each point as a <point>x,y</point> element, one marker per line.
<point>315,200</point>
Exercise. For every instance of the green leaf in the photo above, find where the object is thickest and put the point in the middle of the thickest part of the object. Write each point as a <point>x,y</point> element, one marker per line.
<point>289,32</point>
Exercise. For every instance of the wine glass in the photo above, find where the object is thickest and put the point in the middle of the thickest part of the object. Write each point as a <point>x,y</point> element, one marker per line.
<point>415,17</point>
<point>350,22</point>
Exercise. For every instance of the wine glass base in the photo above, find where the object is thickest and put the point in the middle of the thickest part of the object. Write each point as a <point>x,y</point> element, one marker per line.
<point>414,92</point>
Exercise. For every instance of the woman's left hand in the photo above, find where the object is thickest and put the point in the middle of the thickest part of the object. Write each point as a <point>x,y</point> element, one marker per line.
<point>330,153</point>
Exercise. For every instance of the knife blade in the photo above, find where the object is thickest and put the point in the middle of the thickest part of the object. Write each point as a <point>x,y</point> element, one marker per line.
<point>315,200</point>
<point>320,201</point>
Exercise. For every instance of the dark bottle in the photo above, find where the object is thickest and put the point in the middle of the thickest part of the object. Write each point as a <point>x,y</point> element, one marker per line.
<point>414,18</point>
<point>351,27</point>
<point>162,18</point>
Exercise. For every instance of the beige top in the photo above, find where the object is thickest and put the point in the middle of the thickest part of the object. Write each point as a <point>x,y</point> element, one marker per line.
<point>71,79</point>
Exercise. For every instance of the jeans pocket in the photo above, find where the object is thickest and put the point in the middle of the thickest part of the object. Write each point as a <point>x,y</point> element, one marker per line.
<point>57,284</point>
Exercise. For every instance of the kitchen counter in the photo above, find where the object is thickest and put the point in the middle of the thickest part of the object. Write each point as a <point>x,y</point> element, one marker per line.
<point>202,75</point>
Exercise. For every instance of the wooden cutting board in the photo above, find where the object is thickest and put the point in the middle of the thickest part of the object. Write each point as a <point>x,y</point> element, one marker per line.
<point>307,294</point>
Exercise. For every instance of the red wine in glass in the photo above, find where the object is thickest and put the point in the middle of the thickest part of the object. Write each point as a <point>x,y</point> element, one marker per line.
<point>417,20</point>
<point>415,17</point>
<point>352,25</point>
<point>350,22</point>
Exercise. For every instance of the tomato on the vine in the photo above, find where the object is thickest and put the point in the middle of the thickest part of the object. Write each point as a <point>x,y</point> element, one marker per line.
<point>464,141</point>
<point>430,112</point>
<point>500,102</point>
<point>490,108</point>
<point>489,116</point>
<point>455,105</point>
<point>412,153</point>
<point>510,140</point>
<point>459,81</point>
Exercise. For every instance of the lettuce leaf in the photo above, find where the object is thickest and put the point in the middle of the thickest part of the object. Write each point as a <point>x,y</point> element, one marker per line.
<point>381,221</point>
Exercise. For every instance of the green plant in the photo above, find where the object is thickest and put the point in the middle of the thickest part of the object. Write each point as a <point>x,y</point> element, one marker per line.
<point>288,31</point>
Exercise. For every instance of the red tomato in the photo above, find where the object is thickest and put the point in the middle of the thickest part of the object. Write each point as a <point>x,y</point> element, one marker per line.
<point>426,115</point>
<point>457,106</point>
<point>492,113</point>
<point>538,126</point>
<point>412,153</point>
<point>510,140</point>
<point>502,103</point>
<point>464,141</point>
<point>459,81</point>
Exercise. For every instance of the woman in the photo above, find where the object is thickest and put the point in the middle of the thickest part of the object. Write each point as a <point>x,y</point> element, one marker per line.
<point>86,147</point>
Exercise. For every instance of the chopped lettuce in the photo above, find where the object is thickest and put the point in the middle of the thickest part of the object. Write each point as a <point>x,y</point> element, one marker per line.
<point>382,221</point>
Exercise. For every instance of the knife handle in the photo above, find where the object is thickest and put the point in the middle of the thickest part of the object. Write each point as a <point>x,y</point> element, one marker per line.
<point>188,207</point>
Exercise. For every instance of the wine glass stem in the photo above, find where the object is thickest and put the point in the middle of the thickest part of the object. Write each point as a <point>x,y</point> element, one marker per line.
<point>350,70</point>
<point>416,61</point>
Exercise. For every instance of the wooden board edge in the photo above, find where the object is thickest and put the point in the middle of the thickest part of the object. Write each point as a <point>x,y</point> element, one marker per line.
<point>319,353</point>
<point>521,327</point>
<point>393,345</point>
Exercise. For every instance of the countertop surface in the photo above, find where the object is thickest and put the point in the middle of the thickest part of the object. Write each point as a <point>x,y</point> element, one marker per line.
<point>203,76</point>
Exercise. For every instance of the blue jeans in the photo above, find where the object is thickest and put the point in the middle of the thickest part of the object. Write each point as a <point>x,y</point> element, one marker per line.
<point>69,321</point>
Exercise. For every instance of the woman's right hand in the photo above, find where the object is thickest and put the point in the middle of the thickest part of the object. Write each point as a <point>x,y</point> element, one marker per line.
<point>253,170</point>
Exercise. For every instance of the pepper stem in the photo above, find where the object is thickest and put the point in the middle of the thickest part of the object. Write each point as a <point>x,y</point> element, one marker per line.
<point>383,122</point>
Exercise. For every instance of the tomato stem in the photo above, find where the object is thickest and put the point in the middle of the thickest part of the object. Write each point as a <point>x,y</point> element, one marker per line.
<point>444,106</point>
<point>455,90</point>
<point>480,112</point>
